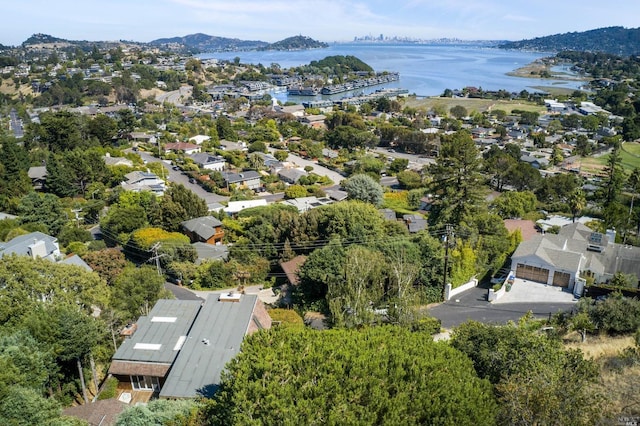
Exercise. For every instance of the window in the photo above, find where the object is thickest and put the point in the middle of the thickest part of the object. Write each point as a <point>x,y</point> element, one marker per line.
<point>145,383</point>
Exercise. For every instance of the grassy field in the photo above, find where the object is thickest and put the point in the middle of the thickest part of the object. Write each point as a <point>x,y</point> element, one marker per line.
<point>630,156</point>
<point>619,379</point>
<point>472,104</point>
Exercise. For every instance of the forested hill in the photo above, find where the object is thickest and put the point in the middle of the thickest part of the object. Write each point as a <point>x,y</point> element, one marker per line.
<point>296,43</point>
<point>616,40</point>
<point>207,43</point>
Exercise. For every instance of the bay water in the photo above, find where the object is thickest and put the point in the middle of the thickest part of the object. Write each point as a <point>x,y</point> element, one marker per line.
<point>425,69</point>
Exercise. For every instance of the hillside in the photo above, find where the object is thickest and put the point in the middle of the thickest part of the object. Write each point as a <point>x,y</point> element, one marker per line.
<point>615,40</point>
<point>298,42</point>
<point>206,43</point>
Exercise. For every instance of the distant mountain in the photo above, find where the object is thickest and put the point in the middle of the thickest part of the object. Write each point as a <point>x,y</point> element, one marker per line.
<point>298,42</point>
<point>615,40</point>
<point>206,43</point>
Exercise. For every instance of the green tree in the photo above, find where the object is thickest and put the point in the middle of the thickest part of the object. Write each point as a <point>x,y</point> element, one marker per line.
<point>281,155</point>
<point>401,379</point>
<point>513,204</point>
<point>577,202</point>
<point>31,282</point>
<point>160,412</point>
<point>45,209</point>
<point>295,191</point>
<point>14,164</point>
<point>136,290</point>
<point>409,179</point>
<point>457,184</point>
<point>458,111</point>
<point>108,263</point>
<point>25,406</point>
<point>72,334</point>
<point>352,299</point>
<point>364,188</point>
<point>103,128</point>
<point>398,165</point>
<point>537,381</point>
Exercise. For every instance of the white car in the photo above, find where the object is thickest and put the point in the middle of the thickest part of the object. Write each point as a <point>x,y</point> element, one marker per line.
<point>500,276</point>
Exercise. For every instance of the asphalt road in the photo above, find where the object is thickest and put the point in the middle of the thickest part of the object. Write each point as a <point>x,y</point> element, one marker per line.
<point>473,305</point>
<point>317,169</point>
<point>414,160</point>
<point>178,177</point>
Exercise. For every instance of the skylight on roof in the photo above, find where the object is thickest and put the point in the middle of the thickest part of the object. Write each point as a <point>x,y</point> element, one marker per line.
<point>180,343</point>
<point>163,319</point>
<point>148,346</point>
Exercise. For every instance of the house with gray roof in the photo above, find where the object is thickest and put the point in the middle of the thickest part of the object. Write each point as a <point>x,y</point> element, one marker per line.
<point>143,181</point>
<point>34,245</point>
<point>249,179</point>
<point>206,252</point>
<point>180,349</point>
<point>143,361</point>
<point>558,259</point>
<point>205,229</point>
<point>291,176</point>
<point>207,161</point>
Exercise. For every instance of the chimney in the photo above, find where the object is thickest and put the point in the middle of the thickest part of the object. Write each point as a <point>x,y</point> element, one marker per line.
<point>229,297</point>
<point>37,249</point>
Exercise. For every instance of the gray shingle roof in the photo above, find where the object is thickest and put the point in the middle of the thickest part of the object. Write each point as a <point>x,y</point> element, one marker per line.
<point>204,227</point>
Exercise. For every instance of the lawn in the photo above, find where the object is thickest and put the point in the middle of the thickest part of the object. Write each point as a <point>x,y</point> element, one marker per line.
<point>630,159</point>
<point>473,104</point>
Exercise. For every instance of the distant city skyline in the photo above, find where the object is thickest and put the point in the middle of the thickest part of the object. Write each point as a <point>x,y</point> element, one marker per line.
<point>324,20</point>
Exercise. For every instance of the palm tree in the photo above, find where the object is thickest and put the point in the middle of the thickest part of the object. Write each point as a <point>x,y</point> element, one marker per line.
<point>576,202</point>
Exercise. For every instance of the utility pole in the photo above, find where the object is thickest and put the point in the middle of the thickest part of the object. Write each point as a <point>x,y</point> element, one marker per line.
<point>447,237</point>
<point>156,256</point>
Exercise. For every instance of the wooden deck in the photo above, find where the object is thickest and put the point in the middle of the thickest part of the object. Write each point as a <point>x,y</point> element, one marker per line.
<point>137,396</point>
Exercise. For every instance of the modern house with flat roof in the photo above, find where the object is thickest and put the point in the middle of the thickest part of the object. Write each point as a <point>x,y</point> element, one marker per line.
<point>144,360</point>
<point>180,349</point>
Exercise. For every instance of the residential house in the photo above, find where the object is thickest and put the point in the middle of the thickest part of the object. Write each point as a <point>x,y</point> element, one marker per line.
<point>199,139</point>
<point>187,148</point>
<point>291,176</point>
<point>537,163</point>
<point>558,259</point>
<point>304,204</point>
<point>330,153</point>
<point>206,252</point>
<point>237,206</point>
<point>388,214</point>
<point>336,194</point>
<point>34,244</point>
<point>208,161</point>
<point>315,121</point>
<point>295,110</point>
<point>527,228</point>
<point>38,176</point>
<point>291,268</point>
<point>205,229</point>
<point>116,161</point>
<point>415,222</point>
<point>98,413</point>
<point>233,146</point>
<point>143,181</point>
<point>181,348</point>
<point>248,179</point>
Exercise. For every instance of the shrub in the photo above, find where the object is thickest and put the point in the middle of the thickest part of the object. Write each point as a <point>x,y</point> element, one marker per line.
<point>286,317</point>
<point>109,390</point>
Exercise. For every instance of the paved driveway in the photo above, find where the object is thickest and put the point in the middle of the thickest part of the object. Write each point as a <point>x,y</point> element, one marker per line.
<point>541,300</point>
<point>524,291</point>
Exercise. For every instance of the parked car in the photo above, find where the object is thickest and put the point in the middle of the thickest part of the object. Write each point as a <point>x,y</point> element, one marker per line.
<point>500,276</point>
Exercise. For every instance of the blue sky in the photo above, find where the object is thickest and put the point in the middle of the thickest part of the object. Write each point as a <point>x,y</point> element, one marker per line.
<point>325,20</point>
